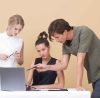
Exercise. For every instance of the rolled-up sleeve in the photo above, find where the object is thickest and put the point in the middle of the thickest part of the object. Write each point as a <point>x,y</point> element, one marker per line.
<point>65,49</point>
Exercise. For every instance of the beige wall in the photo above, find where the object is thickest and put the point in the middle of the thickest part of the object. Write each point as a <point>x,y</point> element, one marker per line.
<point>39,13</point>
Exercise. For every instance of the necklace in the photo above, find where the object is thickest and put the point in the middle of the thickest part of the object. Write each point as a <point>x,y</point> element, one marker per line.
<point>47,61</point>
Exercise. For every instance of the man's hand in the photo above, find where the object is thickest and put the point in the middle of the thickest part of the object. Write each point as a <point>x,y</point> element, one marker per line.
<point>80,88</point>
<point>41,67</point>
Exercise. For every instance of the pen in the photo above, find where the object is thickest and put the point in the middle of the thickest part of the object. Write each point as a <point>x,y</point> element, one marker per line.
<point>31,68</point>
<point>12,54</point>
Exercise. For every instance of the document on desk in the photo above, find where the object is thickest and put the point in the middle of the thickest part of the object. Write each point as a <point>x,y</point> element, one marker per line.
<point>64,89</point>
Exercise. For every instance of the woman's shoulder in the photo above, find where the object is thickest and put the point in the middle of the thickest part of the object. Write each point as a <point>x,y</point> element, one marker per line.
<point>18,41</point>
<point>38,60</point>
<point>53,58</point>
<point>19,38</point>
<point>2,33</point>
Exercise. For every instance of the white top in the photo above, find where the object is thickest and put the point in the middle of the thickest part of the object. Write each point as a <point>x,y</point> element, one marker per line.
<point>9,45</point>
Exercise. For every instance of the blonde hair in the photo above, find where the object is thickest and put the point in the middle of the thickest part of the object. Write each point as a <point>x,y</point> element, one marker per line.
<point>16,19</point>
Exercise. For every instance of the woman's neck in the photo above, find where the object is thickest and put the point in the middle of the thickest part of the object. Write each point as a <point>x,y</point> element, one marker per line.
<point>46,60</point>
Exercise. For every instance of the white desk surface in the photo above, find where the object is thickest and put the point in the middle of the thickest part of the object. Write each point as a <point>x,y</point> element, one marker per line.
<point>45,94</point>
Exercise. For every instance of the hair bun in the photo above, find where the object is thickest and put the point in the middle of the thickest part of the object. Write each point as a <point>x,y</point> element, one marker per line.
<point>43,35</point>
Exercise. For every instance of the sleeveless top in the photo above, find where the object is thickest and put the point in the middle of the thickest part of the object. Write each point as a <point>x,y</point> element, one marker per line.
<point>9,45</point>
<point>46,77</point>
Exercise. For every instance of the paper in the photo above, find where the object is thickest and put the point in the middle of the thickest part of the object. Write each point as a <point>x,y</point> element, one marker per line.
<point>32,89</point>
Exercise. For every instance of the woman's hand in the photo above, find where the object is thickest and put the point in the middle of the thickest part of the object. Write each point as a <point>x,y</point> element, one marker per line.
<point>3,56</point>
<point>17,56</point>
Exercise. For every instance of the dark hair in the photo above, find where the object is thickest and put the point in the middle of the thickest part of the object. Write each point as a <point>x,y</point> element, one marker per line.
<point>42,39</point>
<point>58,26</point>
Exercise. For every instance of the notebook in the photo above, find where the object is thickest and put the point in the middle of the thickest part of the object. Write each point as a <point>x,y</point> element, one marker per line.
<point>12,79</point>
<point>64,89</point>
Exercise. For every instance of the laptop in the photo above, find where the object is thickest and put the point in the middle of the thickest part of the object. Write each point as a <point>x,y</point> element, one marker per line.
<point>12,79</point>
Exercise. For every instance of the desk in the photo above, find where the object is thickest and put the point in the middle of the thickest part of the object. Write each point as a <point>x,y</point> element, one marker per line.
<point>44,94</point>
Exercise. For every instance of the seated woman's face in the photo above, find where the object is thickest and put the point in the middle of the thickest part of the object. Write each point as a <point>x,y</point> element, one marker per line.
<point>43,50</point>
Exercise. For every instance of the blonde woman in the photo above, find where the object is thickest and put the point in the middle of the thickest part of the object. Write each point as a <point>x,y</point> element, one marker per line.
<point>11,46</point>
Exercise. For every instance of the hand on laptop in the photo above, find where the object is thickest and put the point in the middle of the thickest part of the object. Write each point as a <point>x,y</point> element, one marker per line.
<point>28,87</point>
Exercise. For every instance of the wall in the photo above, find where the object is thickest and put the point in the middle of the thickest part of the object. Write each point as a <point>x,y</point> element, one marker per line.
<point>39,13</point>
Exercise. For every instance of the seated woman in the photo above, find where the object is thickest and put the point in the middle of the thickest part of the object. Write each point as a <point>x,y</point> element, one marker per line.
<point>44,79</point>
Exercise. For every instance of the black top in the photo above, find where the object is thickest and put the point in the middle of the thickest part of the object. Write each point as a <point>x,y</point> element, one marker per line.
<point>46,77</point>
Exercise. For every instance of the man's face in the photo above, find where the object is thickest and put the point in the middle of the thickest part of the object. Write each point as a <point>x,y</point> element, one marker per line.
<point>61,38</point>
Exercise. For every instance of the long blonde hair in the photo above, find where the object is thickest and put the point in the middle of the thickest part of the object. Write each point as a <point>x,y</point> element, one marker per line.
<point>16,19</point>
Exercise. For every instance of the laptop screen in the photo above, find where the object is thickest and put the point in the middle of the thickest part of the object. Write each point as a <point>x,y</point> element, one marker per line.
<point>12,79</point>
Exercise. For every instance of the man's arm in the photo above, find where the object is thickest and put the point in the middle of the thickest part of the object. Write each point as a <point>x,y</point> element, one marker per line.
<point>80,70</point>
<point>59,66</point>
